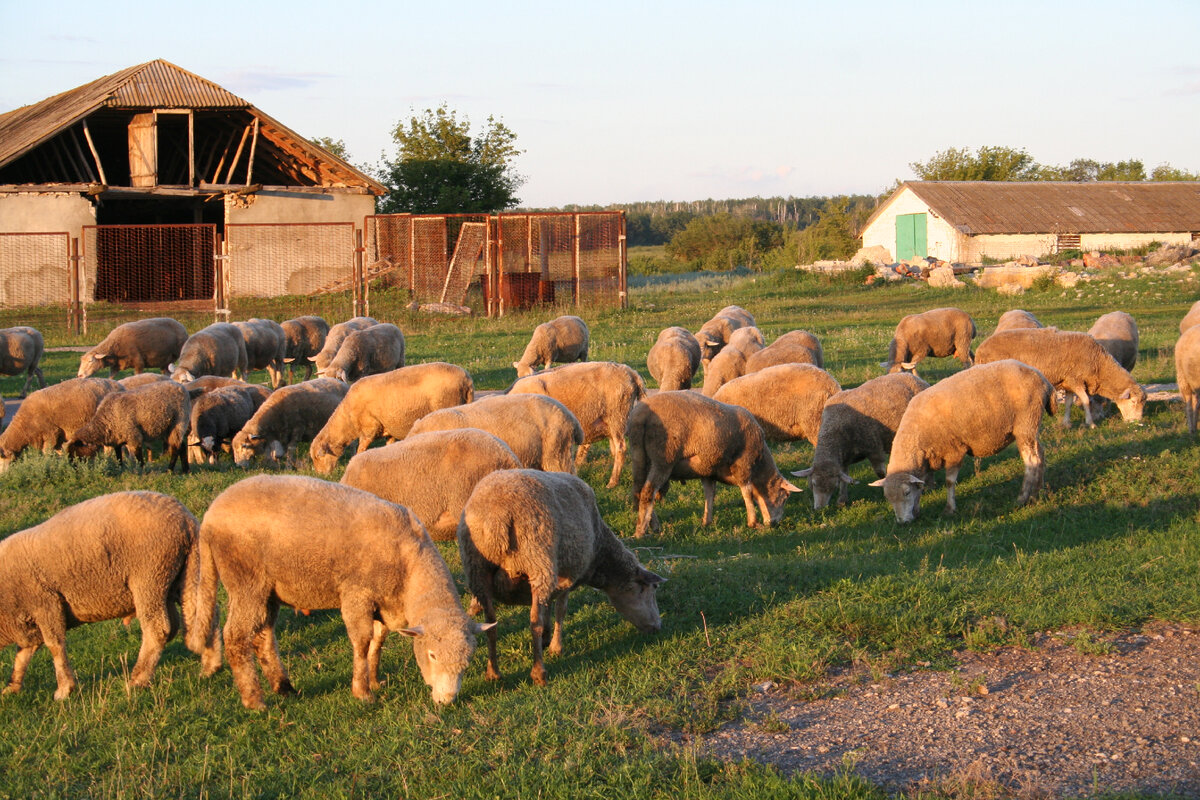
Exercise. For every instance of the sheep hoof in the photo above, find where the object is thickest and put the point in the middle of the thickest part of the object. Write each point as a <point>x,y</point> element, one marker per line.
<point>12,688</point>
<point>285,687</point>
<point>63,692</point>
<point>538,674</point>
<point>254,703</point>
<point>492,674</point>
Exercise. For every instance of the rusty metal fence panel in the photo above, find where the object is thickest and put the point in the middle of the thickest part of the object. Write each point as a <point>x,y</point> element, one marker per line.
<point>148,263</point>
<point>35,269</point>
<point>289,269</point>
<point>408,259</point>
<point>600,260</point>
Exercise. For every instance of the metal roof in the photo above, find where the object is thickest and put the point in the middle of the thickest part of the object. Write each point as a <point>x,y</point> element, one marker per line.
<point>1007,207</point>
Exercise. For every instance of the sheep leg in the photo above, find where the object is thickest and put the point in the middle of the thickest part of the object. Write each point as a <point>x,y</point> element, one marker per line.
<point>53,628</point>
<point>240,629</point>
<point>360,627</point>
<point>581,455</point>
<point>951,482</point>
<point>749,497</point>
<point>488,604</point>
<point>560,615</point>
<point>539,619</point>
<point>616,443</point>
<point>647,520</point>
<point>1035,470</point>
<point>379,633</point>
<point>155,617</point>
<point>266,646</point>
<point>710,501</point>
<point>20,664</point>
<point>1190,408</point>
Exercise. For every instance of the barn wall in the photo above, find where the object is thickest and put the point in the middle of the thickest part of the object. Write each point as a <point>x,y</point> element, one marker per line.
<point>1006,246</point>
<point>942,240</point>
<point>36,213</point>
<point>268,207</point>
<point>1125,241</point>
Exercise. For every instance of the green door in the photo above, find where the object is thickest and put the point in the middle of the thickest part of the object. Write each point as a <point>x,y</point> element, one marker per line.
<point>911,239</point>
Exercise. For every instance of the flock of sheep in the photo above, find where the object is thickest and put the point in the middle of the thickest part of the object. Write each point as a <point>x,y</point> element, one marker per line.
<point>494,470</point>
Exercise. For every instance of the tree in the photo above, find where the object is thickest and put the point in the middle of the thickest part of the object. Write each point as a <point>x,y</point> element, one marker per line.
<point>441,169</point>
<point>1165,172</point>
<point>985,164</point>
<point>723,241</point>
<point>335,146</point>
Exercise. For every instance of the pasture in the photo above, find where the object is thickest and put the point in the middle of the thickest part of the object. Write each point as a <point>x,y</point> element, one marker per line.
<point>1111,544</point>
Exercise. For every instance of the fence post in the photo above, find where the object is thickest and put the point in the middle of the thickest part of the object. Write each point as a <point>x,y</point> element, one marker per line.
<point>362,288</point>
<point>623,263</point>
<point>575,257</point>
<point>74,302</point>
<point>221,311</point>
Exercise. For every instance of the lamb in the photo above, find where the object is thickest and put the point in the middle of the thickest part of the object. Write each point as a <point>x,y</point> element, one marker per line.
<point>793,347</point>
<point>714,334</point>
<point>291,414</point>
<point>337,334</point>
<point>50,416</point>
<point>563,339</point>
<point>140,345</point>
<point>858,423</point>
<point>730,363</point>
<point>289,540</point>
<point>217,416</point>
<point>674,359</point>
<point>266,346</point>
<point>1191,318</point>
<point>1017,318</point>
<point>218,349</point>
<point>540,430</point>
<point>1187,373</point>
<point>161,410</point>
<point>370,351</point>
<point>117,555</point>
<point>786,399</point>
<point>21,350</point>
<point>432,474</point>
<point>530,536</point>
<point>978,411</point>
<point>305,337</point>
<point>1073,362</point>
<point>685,435</point>
<point>387,405</point>
<point>940,332</point>
<point>600,394</point>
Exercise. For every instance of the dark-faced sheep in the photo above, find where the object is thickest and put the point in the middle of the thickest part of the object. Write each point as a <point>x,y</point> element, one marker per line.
<point>218,349</point>
<point>793,347</point>
<point>337,334</point>
<point>140,345</point>
<point>674,359</point>
<point>531,537</point>
<point>714,334</point>
<point>160,411</point>
<point>292,414</point>
<point>684,436</point>
<point>266,346</point>
<point>21,351</point>
<point>217,416</point>
<point>279,540</point>
<point>370,351</point>
<point>939,332</point>
<point>1187,373</point>
<point>978,412</point>
<point>50,416</point>
<point>114,556</point>
<point>1015,319</point>
<point>305,337</point>
<point>785,399</point>
<point>561,340</point>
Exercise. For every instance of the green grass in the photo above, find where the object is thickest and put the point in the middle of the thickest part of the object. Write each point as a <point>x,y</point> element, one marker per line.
<point>1111,545</point>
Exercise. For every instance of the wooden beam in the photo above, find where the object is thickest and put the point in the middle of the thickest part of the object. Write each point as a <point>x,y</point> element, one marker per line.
<point>87,134</point>
<point>253,147</point>
<point>238,155</point>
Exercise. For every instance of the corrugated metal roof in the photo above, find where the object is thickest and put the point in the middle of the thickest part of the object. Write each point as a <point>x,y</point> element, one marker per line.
<point>999,207</point>
<point>161,84</point>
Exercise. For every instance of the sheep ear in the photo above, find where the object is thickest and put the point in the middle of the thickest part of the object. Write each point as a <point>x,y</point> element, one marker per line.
<point>170,368</point>
<point>1128,393</point>
<point>878,483</point>
<point>482,627</point>
<point>417,631</point>
<point>312,359</point>
<point>289,360</point>
<point>803,473</point>
<point>846,479</point>
<point>99,356</point>
<point>649,578</point>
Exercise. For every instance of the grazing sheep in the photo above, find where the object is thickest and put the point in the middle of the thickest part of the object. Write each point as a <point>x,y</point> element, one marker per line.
<point>563,339</point>
<point>858,423</point>
<point>21,351</point>
<point>1017,318</point>
<point>289,540</point>
<point>431,474</point>
<point>266,346</point>
<point>304,336</point>
<point>140,345</point>
<point>600,394</point>
<point>210,383</point>
<point>978,411</point>
<point>388,405</point>
<point>1191,318</point>
<point>370,351</point>
<point>714,334</point>
<point>217,416</point>
<point>132,382</point>
<point>940,332</point>
<point>337,334</point>
<point>1187,373</point>
<point>531,537</point>
<point>218,349</point>
<point>674,359</point>
<point>50,416</point>
<point>685,435</point>
<point>117,555</point>
<point>161,410</point>
<point>292,414</point>
<point>785,399</point>
<point>793,347</point>
<point>730,362</point>
<point>540,430</point>
<point>1117,333</point>
<point>1073,362</point>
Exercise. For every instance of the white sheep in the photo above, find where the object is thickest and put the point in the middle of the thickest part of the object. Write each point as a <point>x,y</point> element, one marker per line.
<point>305,338</point>
<point>1187,373</point>
<point>1192,317</point>
<point>531,537</point>
<point>337,334</point>
<point>978,411</point>
<point>563,339</point>
<point>21,351</point>
<point>50,416</point>
<point>218,349</point>
<point>161,410</point>
<point>291,414</point>
<point>370,351</point>
<point>139,345</point>
<point>731,361</point>
<point>785,399</point>
<point>714,334</point>
<point>1016,318</point>
<point>266,347</point>
<point>674,359</point>
<point>939,332</point>
<point>793,347</point>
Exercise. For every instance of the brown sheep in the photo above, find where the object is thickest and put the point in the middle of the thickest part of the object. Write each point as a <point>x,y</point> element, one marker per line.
<point>139,345</point>
<point>714,334</point>
<point>1192,317</point>
<point>217,416</point>
<point>731,362</point>
<point>292,414</point>
<point>337,334</point>
<point>141,380</point>
<point>563,339</point>
<point>21,350</point>
<point>674,359</point>
<point>161,410</point>
<point>370,351</point>
<point>50,416</point>
<point>786,399</point>
<point>793,347</point>
<point>532,537</point>
<point>939,332</point>
<point>304,337</point>
<point>1187,373</point>
<point>218,349</point>
<point>1015,319</point>
<point>266,347</point>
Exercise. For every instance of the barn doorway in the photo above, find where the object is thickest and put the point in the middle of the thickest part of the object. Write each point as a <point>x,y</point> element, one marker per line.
<point>911,237</point>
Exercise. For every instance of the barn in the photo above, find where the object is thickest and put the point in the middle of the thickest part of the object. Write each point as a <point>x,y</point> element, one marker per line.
<point>967,221</point>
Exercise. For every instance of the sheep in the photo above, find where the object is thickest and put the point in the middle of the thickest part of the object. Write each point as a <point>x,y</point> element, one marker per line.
<point>370,351</point>
<point>1117,333</point>
<point>1073,362</point>
<point>117,555</point>
<point>266,346</point>
<point>50,416</point>
<point>785,399</point>
<point>387,405</point>
<point>1191,318</point>
<point>337,334</point>
<point>532,537</point>
<point>714,334</point>
<point>305,337</point>
<point>432,474</point>
<point>940,332</point>
<point>1187,373</point>
<point>674,359</point>
<point>21,350</point>
<point>138,381</point>
<point>217,416</point>
<point>685,435</point>
<point>140,345</point>
<point>857,423</point>
<point>218,349</point>
<point>978,411</point>
<point>540,430</point>
<point>793,347</point>
<point>730,363</point>
<point>161,410</point>
<point>290,540</point>
<point>210,383</point>
<point>1015,319</point>
<point>291,414</point>
<point>563,339</point>
<point>600,394</point>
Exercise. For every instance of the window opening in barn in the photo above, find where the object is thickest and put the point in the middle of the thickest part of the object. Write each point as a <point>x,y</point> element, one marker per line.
<point>1066,241</point>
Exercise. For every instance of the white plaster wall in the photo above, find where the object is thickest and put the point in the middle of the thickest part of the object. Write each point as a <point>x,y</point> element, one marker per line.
<point>942,240</point>
<point>1126,241</point>
<point>37,213</point>
<point>1006,246</point>
<point>298,207</point>
<point>35,270</point>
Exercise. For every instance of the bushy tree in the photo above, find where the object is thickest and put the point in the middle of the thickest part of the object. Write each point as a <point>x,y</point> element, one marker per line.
<point>335,146</point>
<point>985,164</point>
<point>1165,172</point>
<point>724,241</point>
<point>835,234</point>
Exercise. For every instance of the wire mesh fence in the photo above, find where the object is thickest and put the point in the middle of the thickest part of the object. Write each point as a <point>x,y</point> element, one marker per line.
<point>36,279</point>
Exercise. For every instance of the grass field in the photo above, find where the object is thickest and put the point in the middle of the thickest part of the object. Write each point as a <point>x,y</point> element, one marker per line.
<point>1111,544</point>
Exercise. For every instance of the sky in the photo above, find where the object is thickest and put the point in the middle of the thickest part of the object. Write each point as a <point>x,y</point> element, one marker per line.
<point>619,102</point>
